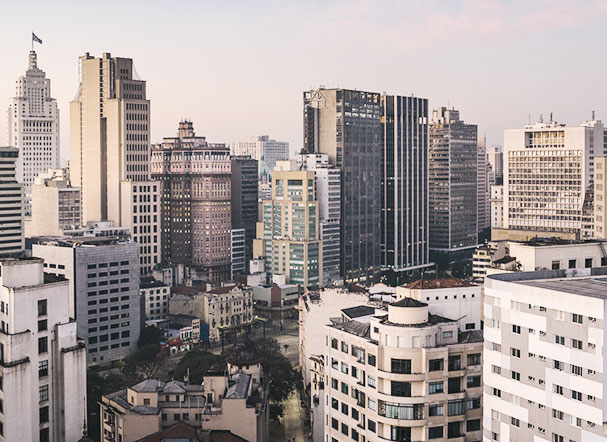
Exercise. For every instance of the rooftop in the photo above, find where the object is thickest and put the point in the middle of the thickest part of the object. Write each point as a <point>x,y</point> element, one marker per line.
<point>438,283</point>
<point>593,287</point>
<point>432,320</point>
<point>358,311</point>
<point>354,328</point>
<point>147,282</point>
<point>409,302</point>
<point>554,241</point>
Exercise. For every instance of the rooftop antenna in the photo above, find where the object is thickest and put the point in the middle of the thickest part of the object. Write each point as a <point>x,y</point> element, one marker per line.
<point>541,120</point>
<point>592,113</point>
<point>550,117</point>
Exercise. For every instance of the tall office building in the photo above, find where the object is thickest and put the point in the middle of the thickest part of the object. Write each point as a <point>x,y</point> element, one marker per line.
<point>404,187</point>
<point>328,195</point>
<point>33,126</point>
<point>495,166</point>
<point>452,170</point>
<point>482,188</point>
<point>196,217</point>
<point>110,151</point>
<point>288,236</point>
<point>11,203</point>
<point>42,361</point>
<point>264,150</point>
<point>346,125</point>
<point>544,361</point>
<point>600,197</point>
<point>245,213</point>
<point>103,275</point>
<point>548,178</point>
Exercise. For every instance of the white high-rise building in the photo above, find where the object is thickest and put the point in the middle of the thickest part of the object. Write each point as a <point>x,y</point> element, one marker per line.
<point>110,152</point>
<point>33,126</point>
<point>264,150</point>
<point>495,166</point>
<point>42,361</point>
<point>544,358</point>
<point>548,176</point>
<point>11,203</point>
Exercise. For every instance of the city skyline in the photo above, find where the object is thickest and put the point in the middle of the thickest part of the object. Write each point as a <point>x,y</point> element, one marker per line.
<point>509,48</point>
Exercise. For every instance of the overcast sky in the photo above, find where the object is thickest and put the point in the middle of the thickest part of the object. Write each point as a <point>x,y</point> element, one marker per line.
<point>238,68</point>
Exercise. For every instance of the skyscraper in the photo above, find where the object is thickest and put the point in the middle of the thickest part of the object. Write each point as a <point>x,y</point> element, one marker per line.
<point>33,126</point>
<point>404,188</point>
<point>196,217</point>
<point>452,169</point>
<point>346,125</point>
<point>288,236</point>
<point>548,178</point>
<point>11,203</point>
<point>495,160</point>
<point>110,151</point>
<point>482,188</point>
<point>244,194</point>
<point>264,150</point>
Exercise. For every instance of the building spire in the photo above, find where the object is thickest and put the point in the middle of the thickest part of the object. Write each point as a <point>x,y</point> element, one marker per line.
<point>33,60</point>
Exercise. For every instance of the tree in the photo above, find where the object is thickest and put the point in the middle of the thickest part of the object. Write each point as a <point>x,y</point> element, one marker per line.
<point>281,376</point>
<point>196,363</point>
<point>150,335</point>
<point>96,386</point>
<point>146,361</point>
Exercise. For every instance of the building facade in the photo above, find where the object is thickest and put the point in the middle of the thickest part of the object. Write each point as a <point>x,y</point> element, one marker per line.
<point>103,275</point>
<point>265,151</point>
<point>33,126</point>
<point>543,366</point>
<point>328,192</point>
<point>155,296</point>
<point>238,247</point>
<point>288,237</point>
<point>402,375</point>
<point>453,182</point>
<point>110,151</point>
<point>497,207</point>
<point>600,197</point>
<point>195,193</point>
<point>43,362</point>
<point>245,213</point>
<point>495,164</point>
<point>346,126</point>
<point>55,205</point>
<point>404,187</point>
<point>548,169</point>
<point>11,203</point>
<point>482,189</point>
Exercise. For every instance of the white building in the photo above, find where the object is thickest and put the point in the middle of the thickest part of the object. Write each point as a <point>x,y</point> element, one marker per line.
<point>484,257</point>
<point>328,195</point>
<point>55,205</point>
<point>548,169</point>
<point>495,160</point>
<point>103,275</point>
<point>42,361</point>
<point>544,360</point>
<point>497,207</point>
<point>264,150</point>
<point>11,203</point>
<point>33,126</point>
<point>554,254</point>
<point>600,198</point>
<point>238,251</point>
<point>156,298</point>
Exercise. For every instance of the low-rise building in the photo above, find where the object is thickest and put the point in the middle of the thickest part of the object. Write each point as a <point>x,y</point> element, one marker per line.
<point>42,361</point>
<point>544,360</point>
<point>276,297</point>
<point>233,399</point>
<point>155,295</point>
<point>405,374</point>
<point>485,255</point>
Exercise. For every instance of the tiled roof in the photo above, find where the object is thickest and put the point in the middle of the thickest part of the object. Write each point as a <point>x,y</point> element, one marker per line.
<point>358,311</point>
<point>409,302</point>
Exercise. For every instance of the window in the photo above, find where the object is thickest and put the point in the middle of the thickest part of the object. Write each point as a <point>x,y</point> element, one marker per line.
<point>344,388</point>
<point>401,366</point>
<point>455,362</point>
<point>447,334</point>
<point>473,381</point>
<point>335,403</point>
<point>344,429</point>
<point>576,395</point>
<point>515,422</point>
<point>435,432</point>
<point>42,325</point>
<point>436,387</point>
<point>371,404</point>
<point>334,383</point>
<point>43,414</point>
<point>371,360</point>
<point>42,368</point>
<point>344,347</point>
<point>516,375</point>
<point>556,265</point>
<point>515,352</point>
<point>454,429</point>
<point>344,408</point>
<point>588,263</point>
<point>401,389</point>
<point>344,368</point>
<point>473,425</point>
<point>334,343</point>
<point>354,413</point>
<point>576,343</point>
<point>557,438</point>
<point>578,319</point>
<point>436,364</point>
<point>43,390</point>
<point>334,424</point>
<point>473,403</point>
<point>474,359</point>
<point>42,345</point>
<point>558,389</point>
<point>354,434</point>
<point>497,392</point>
<point>45,434</point>
<point>559,340</point>
<point>371,426</point>
<point>436,410</point>
<point>558,414</point>
<point>42,307</point>
<point>572,263</point>
<point>371,381</point>
<point>400,433</point>
<point>454,385</point>
<point>456,407</point>
<point>516,329</point>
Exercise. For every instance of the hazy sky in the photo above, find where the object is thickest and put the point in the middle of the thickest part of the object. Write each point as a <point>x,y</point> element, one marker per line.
<point>238,68</point>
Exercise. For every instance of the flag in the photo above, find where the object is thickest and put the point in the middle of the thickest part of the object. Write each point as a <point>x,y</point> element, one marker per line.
<point>36,39</point>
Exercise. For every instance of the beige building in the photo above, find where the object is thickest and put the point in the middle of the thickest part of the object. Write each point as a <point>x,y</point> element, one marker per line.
<point>155,295</point>
<point>42,360</point>
<point>234,399</point>
<point>55,205</point>
<point>404,374</point>
<point>288,235</point>
<point>600,197</point>
<point>110,151</point>
<point>227,308</point>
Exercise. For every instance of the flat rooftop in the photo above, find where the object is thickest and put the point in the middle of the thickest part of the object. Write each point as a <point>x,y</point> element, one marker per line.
<point>554,241</point>
<point>438,283</point>
<point>593,287</point>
